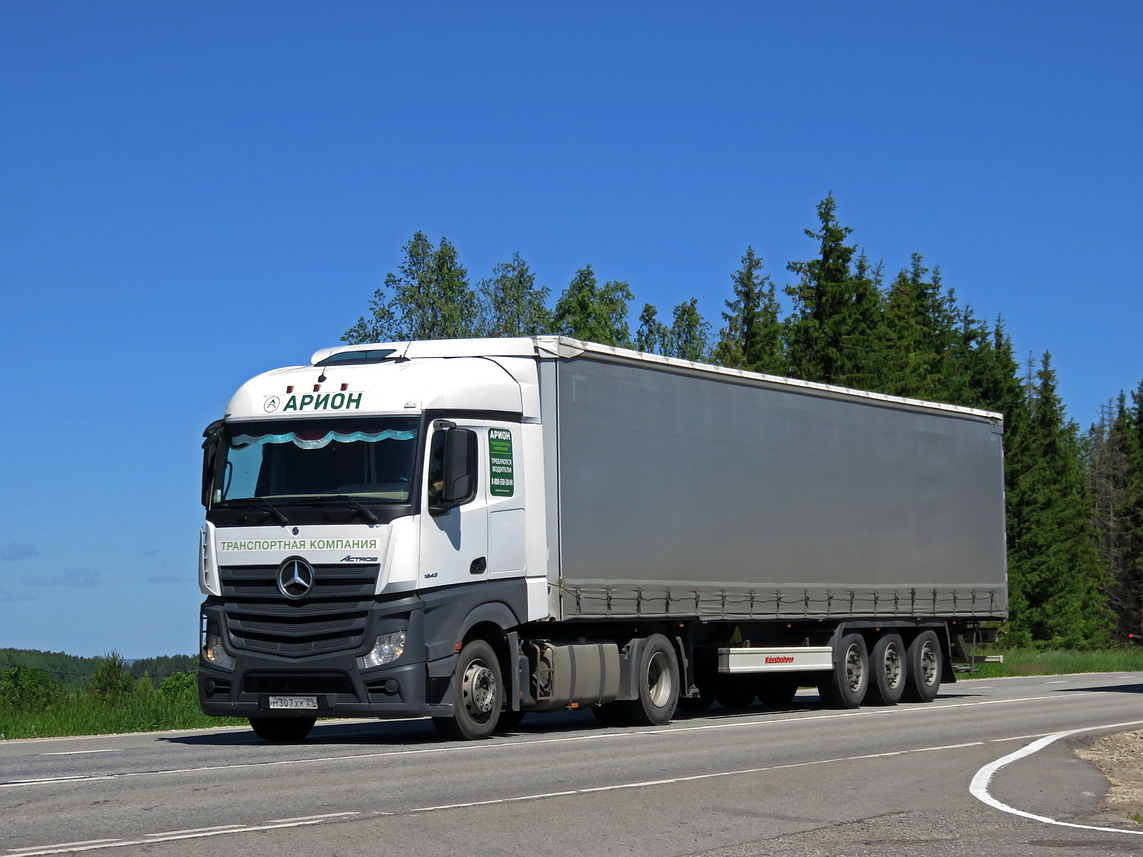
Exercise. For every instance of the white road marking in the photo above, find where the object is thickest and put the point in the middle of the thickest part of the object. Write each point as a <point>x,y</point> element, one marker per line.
<point>668,781</point>
<point>225,830</point>
<point>750,722</point>
<point>176,835</point>
<point>83,752</point>
<point>980,782</point>
<point>84,844</point>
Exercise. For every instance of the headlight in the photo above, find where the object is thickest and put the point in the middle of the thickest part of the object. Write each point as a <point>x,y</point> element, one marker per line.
<point>213,651</point>
<point>386,649</point>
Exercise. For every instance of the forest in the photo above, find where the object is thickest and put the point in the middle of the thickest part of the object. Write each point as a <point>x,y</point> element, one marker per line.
<point>1074,496</point>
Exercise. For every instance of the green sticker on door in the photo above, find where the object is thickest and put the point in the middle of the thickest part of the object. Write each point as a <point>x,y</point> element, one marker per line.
<point>503,481</point>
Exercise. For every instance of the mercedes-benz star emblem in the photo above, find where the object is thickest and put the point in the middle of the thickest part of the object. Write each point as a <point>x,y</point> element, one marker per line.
<point>295,578</point>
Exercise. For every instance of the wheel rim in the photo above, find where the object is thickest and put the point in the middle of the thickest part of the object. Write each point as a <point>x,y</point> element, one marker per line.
<point>929,665</point>
<point>479,690</point>
<point>891,666</point>
<point>854,669</point>
<point>659,679</point>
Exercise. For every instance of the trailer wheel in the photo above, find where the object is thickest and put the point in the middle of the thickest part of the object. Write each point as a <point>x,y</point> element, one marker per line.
<point>887,666</point>
<point>282,730</point>
<point>658,676</point>
<point>735,691</point>
<point>479,694</point>
<point>923,678</point>
<point>778,691</point>
<point>846,685</point>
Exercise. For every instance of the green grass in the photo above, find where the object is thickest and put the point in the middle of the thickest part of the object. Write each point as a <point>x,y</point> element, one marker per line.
<point>1019,662</point>
<point>83,715</point>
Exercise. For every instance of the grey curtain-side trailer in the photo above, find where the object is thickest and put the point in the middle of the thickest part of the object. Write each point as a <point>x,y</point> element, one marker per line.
<point>478,529</point>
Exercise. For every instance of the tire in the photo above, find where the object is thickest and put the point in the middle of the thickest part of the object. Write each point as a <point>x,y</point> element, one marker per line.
<point>924,661</point>
<point>658,677</point>
<point>846,685</point>
<point>736,691</point>
<point>282,730</point>
<point>478,694</point>
<point>888,670</point>
<point>778,691</point>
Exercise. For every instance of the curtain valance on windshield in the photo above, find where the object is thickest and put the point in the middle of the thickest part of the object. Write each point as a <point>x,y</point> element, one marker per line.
<point>318,439</point>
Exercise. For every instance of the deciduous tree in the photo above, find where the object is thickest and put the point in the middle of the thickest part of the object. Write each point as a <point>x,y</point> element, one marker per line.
<point>428,298</point>
<point>592,312</point>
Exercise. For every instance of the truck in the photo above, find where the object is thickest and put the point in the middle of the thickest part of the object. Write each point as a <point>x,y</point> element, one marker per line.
<point>473,530</point>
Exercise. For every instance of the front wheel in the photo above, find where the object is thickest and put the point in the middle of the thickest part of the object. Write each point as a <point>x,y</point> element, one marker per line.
<point>282,730</point>
<point>479,694</point>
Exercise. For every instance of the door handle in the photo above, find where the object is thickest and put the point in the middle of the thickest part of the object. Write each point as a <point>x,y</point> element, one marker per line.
<point>479,565</point>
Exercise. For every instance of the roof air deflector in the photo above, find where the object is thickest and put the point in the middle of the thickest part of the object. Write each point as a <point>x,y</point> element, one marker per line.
<point>349,358</point>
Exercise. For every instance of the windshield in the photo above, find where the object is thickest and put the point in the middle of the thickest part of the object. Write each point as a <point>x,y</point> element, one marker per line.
<point>371,459</point>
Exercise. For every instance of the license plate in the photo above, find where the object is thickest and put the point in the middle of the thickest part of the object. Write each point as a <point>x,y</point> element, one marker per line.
<point>293,702</point>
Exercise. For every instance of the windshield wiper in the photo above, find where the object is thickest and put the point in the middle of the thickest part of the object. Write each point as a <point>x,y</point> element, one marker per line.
<point>356,504</point>
<point>279,516</point>
<point>271,509</point>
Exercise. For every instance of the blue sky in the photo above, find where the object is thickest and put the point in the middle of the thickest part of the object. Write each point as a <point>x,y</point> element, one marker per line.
<point>194,192</point>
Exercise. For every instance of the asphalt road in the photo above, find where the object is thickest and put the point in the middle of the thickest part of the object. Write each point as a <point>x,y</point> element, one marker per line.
<point>799,781</point>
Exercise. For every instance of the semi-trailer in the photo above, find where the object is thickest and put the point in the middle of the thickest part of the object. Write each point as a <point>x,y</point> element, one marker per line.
<point>473,530</point>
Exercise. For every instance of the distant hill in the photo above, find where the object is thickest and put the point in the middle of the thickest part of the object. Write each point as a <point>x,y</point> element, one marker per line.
<point>73,671</point>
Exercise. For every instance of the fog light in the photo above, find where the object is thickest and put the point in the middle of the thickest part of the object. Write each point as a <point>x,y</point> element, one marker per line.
<point>213,652</point>
<point>386,649</point>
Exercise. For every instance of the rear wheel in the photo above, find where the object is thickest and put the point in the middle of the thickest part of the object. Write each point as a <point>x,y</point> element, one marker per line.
<point>887,668</point>
<point>282,730</point>
<point>658,675</point>
<point>924,659</point>
<point>845,687</point>
<point>479,694</point>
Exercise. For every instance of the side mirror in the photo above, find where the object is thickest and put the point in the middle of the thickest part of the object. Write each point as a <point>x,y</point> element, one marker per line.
<point>213,435</point>
<point>460,463</point>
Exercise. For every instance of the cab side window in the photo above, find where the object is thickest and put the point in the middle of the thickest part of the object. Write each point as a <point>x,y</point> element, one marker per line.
<point>467,465</point>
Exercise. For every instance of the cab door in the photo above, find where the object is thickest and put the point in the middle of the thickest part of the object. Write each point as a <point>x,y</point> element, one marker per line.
<point>454,541</point>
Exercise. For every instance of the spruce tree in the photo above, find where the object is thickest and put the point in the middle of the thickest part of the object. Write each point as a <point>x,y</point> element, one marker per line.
<point>920,336</point>
<point>833,332</point>
<point>1056,576</point>
<point>1109,475</point>
<point>752,336</point>
<point>688,336</point>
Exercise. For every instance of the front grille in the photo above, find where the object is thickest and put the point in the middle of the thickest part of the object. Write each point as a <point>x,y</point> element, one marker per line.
<point>331,618</point>
<point>297,682</point>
